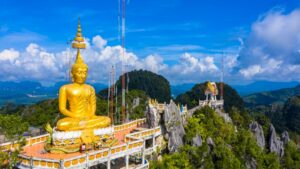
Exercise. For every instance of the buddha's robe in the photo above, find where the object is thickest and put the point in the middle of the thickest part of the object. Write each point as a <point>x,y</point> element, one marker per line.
<point>81,101</point>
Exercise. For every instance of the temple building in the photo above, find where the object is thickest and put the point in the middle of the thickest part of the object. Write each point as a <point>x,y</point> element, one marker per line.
<point>211,100</point>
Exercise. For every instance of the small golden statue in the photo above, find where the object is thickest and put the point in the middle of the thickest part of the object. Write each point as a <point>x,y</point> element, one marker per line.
<point>80,97</point>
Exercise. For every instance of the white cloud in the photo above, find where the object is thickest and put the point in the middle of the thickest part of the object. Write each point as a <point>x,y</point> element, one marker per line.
<point>33,49</point>
<point>193,69</point>
<point>251,71</point>
<point>9,54</point>
<point>153,63</point>
<point>271,50</point>
<point>36,63</point>
<point>99,42</point>
<point>190,63</point>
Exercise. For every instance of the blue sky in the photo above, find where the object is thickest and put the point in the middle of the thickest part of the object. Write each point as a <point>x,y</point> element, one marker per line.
<point>180,39</point>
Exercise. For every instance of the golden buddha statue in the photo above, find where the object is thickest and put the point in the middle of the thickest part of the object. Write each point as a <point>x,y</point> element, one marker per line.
<point>81,97</point>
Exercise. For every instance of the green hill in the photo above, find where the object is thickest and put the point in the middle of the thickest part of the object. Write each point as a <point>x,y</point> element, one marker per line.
<point>271,97</point>
<point>291,113</point>
<point>154,85</point>
<point>191,97</point>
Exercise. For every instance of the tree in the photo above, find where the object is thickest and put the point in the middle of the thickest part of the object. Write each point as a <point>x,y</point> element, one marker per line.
<point>13,128</point>
<point>173,161</point>
<point>291,156</point>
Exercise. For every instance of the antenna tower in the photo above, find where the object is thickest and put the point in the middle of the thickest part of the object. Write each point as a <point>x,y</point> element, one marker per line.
<point>123,114</point>
<point>112,94</point>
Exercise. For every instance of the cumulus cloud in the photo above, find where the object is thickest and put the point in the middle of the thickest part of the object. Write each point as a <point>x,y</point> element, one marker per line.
<point>9,55</point>
<point>153,63</point>
<point>36,63</point>
<point>193,69</point>
<point>99,42</point>
<point>271,50</point>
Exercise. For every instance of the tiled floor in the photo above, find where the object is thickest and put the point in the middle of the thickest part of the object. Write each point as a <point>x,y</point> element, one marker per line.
<point>38,151</point>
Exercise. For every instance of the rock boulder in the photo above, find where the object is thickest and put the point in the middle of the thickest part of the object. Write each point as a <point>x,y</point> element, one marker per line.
<point>173,126</point>
<point>258,133</point>
<point>276,145</point>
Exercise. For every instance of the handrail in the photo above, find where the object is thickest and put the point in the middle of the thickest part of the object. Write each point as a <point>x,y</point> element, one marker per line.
<point>129,125</point>
<point>29,141</point>
<point>134,144</point>
<point>142,134</point>
<point>42,138</point>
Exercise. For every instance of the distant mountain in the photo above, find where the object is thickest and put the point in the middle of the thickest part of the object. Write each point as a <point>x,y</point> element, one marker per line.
<point>262,86</point>
<point>266,98</point>
<point>30,92</point>
<point>243,90</point>
<point>179,89</point>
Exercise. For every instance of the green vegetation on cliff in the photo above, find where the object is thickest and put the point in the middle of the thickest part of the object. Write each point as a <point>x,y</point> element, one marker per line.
<point>232,147</point>
<point>283,116</point>
<point>291,113</point>
<point>281,107</point>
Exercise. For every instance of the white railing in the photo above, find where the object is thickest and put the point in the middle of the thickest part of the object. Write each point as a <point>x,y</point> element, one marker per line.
<point>211,103</point>
<point>29,141</point>
<point>86,160</point>
<point>131,124</point>
<point>42,138</point>
<point>33,162</point>
<point>134,144</point>
<point>143,134</point>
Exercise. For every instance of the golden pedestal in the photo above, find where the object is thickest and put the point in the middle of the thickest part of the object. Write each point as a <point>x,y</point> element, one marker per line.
<point>71,141</point>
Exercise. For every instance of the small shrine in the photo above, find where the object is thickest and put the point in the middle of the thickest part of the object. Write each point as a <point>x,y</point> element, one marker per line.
<point>211,93</point>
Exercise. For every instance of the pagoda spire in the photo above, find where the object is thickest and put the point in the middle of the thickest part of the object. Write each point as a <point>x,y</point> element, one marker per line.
<point>78,42</point>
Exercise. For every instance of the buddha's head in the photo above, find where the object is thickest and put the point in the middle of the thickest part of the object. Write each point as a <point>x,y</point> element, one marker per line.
<point>79,70</point>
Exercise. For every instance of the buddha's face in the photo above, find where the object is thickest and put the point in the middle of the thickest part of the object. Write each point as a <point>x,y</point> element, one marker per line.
<point>79,75</point>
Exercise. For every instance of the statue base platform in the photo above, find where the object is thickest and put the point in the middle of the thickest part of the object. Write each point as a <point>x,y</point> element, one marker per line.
<point>80,140</point>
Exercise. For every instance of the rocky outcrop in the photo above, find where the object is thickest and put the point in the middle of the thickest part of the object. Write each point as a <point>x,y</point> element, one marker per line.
<point>136,102</point>
<point>2,139</point>
<point>210,142</point>
<point>225,116</point>
<point>173,125</point>
<point>258,133</point>
<point>276,145</point>
<point>191,111</point>
<point>285,137</point>
<point>153,117</point>
<point>197,141</point>
<point>251,163</point>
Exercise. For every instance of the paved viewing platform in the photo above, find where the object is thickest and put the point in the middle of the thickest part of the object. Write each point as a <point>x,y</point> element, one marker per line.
<point>131,139</point>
